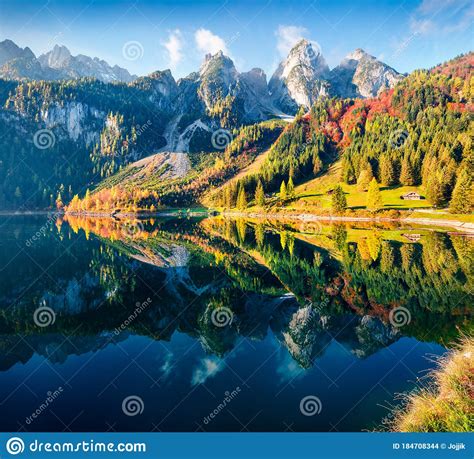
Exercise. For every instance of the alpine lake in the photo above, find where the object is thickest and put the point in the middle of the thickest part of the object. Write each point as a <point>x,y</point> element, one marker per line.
<point>213,324</point>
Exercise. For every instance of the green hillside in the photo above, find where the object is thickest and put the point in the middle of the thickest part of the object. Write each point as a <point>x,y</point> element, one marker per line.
<point>416,138</point>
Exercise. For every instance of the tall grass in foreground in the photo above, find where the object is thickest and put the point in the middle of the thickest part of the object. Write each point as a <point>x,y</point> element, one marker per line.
<point>447,403</point>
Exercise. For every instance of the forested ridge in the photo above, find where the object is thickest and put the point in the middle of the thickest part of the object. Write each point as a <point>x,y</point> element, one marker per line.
<point>417,134</point>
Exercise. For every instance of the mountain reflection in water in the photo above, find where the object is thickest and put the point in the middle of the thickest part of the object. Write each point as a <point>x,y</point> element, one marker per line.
<point>181,311</point>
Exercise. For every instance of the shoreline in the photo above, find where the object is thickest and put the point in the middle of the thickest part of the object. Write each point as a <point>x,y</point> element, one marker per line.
<point>466,227</point>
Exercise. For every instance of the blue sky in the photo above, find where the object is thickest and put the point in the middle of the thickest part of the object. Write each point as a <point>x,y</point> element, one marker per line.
<point>144,36</point>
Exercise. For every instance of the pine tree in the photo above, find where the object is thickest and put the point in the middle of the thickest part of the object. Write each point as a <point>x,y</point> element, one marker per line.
<point>387,171</point>
<point>339,201</point>
<point>242,199</point>
<point>259,234</point>
<point>364,179</point>
<point>283,193</point>
<point>317,163</point>
<point>59,202</point>
<point>259,194</point>
<point>348,174</point>
<point>374,198</point>
<point>228,198</point>
<point>290,189</point>
<point>463,194</point>
<point>407,176</point>
<point>434,191</point>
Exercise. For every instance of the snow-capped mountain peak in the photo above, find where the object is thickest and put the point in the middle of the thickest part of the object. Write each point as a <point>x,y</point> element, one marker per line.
<point>299,79</point>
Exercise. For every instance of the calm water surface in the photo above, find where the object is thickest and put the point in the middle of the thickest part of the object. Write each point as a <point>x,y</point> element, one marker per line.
<point>260,325</point>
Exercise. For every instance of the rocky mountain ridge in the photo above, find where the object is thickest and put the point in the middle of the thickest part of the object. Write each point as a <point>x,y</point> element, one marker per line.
<point>218,89</point>
<point>57,64</point>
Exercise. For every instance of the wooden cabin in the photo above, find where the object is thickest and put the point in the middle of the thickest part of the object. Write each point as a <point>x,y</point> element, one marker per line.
<point>411,196</point>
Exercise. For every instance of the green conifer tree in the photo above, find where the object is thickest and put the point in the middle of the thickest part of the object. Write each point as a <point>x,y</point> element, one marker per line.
<point>283,193</point>
<point>407,176</point>
<point>339,201</point>
<point>374,198</point>
<point>463,195</point>
<point>364,179</point>
<point>259,194</point>
<point>290,189</point>
<point>242,199</point>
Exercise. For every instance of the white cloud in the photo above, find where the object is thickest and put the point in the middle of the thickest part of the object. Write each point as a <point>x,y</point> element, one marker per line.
<point>174,47</point>
<point>434,6</point>
<point>435,18</point>
<point>208,367</point>
<point>422,26</point>
<point>207,42</point>
<point>288,36</point>
<point>445,16</point>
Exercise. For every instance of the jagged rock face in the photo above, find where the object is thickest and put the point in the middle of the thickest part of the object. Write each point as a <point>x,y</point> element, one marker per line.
<point>362,75</point>
<point>17,63</point>
<point>300,79</point>
<point>162,86</point>
<point>373,335</point>
<point>217,76</point>
<point>248,91</point>
<point>60,58</point>
<point>217,96</point>
<point>74,121</point>
<point>252,89</point>
<point>216,90</point>
<point>10,50</point>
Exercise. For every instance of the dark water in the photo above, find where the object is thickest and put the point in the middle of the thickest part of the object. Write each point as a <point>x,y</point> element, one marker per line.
<point>241,320</point>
